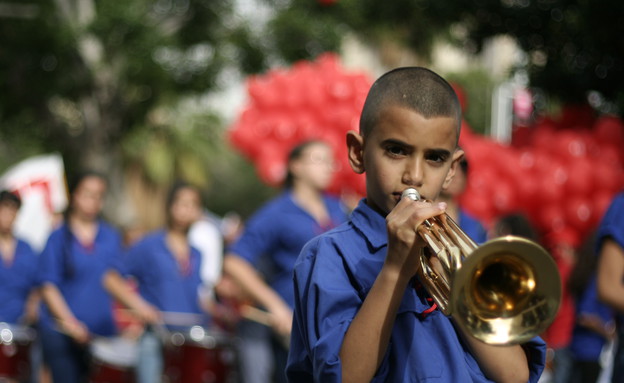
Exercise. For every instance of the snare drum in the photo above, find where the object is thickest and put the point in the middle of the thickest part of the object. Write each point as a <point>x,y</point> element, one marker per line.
<point>113,360</point>
<point>199,355</point>
<point>15,344</point>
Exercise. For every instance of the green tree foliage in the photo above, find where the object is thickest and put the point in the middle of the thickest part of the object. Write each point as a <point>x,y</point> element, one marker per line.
<point>106,83</point>
<point>572,45</point>
<point>80,75</point>
<point>302,29</point>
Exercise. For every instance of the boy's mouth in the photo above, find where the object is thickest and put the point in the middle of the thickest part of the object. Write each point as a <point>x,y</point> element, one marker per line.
<point>397,196</point>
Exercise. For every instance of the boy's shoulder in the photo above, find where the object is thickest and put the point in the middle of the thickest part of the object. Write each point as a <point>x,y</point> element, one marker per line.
<point>344,250</point>
<point>335,239</point>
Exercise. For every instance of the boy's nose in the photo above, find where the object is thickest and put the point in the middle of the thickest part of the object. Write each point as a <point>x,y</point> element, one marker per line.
<point>413,174</point>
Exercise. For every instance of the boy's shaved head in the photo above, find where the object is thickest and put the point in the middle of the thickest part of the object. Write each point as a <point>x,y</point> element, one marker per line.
<point>415,88</point>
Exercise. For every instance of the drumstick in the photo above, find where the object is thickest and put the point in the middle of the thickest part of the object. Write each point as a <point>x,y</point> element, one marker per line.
<point>176,318</point>
<point>256,315</point>
<point>182,319</point>
<point>263,317</point>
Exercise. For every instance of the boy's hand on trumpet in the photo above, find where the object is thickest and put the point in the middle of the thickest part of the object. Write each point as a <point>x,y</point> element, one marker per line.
<point>405,245</point>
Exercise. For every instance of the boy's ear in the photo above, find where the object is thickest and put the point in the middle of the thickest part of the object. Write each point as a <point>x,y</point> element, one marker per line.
<point>457,156</point>
<point>355,147</point>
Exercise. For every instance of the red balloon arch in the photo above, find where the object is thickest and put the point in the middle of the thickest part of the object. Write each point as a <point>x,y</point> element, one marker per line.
<point>562,173</point>
<point>561,176</point>
<point>311,100</point>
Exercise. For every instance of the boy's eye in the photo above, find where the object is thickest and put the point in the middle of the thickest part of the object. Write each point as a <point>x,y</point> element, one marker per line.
<point>436,157</point>
<point>395,150</point>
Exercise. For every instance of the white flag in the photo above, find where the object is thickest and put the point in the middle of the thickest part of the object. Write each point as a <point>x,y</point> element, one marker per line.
<point>40,183</point>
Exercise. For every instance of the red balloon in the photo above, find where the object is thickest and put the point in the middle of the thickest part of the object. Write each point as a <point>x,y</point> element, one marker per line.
<point>527,159</point>
<point>605,178</point>
<point>579,180</point>
<point>546,123</point>
<point>481,179</point>
<point>543,138</point>
<point>564,235</point>
<point>480,206</point>
<point>522,136</point>
<point>610,154</point>
<point>284,128</point>
<point>504,197</point>
<point>271,165</point>
<point>551,218</point>
<point>570,144</point>
<point>527,188</point>
<point>579,213</point>
<point>609,130</point>
<point>551,177</point>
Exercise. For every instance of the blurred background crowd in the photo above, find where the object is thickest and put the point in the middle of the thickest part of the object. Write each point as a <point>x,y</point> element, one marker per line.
<point>217,94</point>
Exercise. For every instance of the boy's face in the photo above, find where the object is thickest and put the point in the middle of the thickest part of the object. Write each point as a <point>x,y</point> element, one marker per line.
<point>405,150</point>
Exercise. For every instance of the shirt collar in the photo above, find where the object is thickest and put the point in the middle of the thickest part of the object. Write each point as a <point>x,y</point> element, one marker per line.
<point>371,224</point>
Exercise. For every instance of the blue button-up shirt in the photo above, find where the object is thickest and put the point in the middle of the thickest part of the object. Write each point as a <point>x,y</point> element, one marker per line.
<point>587,344</point>
<point>612,226</point>
<point>333,275</point>
<point>17,279</point>
<point>164,283</point>
<point>472,227</point>
<point>77,271</point>
<point>276,234</point>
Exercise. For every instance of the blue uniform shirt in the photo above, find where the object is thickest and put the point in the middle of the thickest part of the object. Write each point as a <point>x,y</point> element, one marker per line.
<point>77,271</point>
<point>333,275</point>
<point>162,282</point>
<point>472,227</point>
<point>587,344</point>
<point>612,226</point>
<point>279,230</point>
<point>16,282</point>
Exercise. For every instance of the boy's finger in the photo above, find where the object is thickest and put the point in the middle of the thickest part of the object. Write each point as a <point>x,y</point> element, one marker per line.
<point>415,212</point>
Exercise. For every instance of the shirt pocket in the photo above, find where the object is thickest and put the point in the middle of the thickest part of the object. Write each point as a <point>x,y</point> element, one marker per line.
<point>415,348</point>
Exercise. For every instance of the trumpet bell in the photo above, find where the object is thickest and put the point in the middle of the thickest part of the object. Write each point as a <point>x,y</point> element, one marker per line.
<point>506,292</point>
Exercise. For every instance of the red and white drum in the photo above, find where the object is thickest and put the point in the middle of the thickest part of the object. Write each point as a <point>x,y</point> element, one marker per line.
<point>15,344</point>
<point>113,360</point>
<point>199,355</point>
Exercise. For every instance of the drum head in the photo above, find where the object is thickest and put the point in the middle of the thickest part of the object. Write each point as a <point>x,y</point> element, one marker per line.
<point>10,333</point>
<point>117,351</point>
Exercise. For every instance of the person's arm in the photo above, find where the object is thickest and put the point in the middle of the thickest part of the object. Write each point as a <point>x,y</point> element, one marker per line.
<point>499,363</point>
<point>246,276</point>
<point>31,308</point>
<point>611,274</point>
<point>119,288</point>
<point>65,319</point>
<point>367,338</point>
<point>594,323</point>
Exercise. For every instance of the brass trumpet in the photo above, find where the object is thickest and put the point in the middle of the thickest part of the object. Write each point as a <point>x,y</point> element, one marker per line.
<point>503,292</point>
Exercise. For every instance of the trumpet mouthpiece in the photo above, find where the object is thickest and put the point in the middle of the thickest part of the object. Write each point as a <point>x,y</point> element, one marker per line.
<point>411,193</point>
